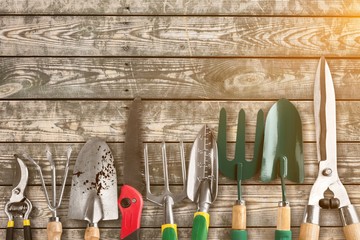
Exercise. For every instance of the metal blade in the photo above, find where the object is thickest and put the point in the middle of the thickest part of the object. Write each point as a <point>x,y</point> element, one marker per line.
<point>94,174</point>
<point>325,113</point>
<point>93,212</point>
<point>133,149</point>
<point>21,175</point>
<point>203,166</point>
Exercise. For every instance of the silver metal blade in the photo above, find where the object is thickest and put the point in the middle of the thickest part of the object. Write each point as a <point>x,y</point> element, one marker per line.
<point>21,175</point>
<point>325,113</point>
<point>93,212</point>
<point>203,165</point>
<point>132,163</point>
<point>94,174</point>
<point>325,124</point>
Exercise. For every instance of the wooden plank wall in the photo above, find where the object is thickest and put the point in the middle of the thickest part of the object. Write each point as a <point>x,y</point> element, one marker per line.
<point>70,69</point>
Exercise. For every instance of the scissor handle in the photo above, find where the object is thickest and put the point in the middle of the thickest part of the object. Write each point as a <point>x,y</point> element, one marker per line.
<point>10,230</point>
<point>309,231</point>
<point>352,232</point>
<point>27,229</point>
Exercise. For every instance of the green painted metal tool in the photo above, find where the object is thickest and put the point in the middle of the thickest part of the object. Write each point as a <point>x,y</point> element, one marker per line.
<point>239,168</point>
<point>283,156</point>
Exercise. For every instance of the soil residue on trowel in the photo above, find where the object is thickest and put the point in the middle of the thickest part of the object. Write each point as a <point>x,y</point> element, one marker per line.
<point>106,172</point>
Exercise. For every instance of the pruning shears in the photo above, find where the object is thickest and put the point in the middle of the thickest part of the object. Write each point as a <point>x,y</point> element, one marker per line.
<point>328,178</point>
<point>18,203</point>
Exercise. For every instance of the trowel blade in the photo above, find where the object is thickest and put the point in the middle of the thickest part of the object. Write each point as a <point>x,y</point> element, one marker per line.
<point>283,144</point>
<point>94,173</point>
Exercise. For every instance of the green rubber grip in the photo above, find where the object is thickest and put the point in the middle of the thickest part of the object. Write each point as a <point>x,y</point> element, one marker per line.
<point>200,226</point>
<point>283,235</point>
<point>239,234</point>
<point>169,232</point>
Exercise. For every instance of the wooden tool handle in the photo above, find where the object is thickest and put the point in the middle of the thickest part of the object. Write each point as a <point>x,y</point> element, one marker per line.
<point>352,231</point>
<point>239,217</point>
<point>92,233</point>
<point>309,231</point>
<point>284,218</point>
<point>54,230</point>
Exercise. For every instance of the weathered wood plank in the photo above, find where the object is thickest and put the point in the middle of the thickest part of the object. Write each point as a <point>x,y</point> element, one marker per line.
<point>348,162</point>
<point>261,208</point>
<point>171,78</point>
<point>178,36</point>
<point>184,233</point>
<point>172,7</point>
<point>74,121</point>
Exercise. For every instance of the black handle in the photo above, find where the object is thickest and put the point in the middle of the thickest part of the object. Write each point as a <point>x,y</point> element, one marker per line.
<point>27,230</point>
<point>9,232</point>
<point>133,236</point>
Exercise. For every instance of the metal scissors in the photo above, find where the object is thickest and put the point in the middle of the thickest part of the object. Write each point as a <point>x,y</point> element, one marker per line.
<point>328,178</point>
<point>18,203</point>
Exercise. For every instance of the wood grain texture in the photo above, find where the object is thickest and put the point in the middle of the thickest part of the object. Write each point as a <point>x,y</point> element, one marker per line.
<point>171,78</point>
<point>74,121</point>
<point>172,7</point>
<point>348,162</point>
<point>184,233</point>
<point>179,36</point>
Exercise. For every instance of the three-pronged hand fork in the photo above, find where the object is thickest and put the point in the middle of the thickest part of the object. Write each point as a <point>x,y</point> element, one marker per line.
<point>54,227</point>
<point>167,199</point>
<point>239,168</point>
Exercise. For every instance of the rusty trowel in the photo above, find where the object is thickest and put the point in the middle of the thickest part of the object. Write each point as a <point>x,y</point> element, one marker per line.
<point>93,195</point>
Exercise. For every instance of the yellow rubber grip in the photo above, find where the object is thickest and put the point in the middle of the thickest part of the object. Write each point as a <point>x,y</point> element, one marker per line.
<point>26,222</point>
<point>164,226</point>
<point>205,215</point>
<point>10,224</point>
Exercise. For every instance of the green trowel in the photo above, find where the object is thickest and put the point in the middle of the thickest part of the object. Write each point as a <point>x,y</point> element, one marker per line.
<point>239,168</point>
<point>283,157</point>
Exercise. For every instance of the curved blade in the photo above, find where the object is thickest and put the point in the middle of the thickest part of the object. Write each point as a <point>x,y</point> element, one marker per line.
<point>325,113</point>
<point>21,175</point>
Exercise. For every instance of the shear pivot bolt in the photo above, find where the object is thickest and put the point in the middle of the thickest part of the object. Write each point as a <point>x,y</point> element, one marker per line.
<point>125,202</point>
<point>327,172</point>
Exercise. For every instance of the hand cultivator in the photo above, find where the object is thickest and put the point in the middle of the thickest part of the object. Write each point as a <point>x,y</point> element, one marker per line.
<point>167,199</point>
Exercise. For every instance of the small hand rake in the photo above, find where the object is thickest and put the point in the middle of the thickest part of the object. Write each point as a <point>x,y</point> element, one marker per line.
<point>239,168</point>
<point>54,227</point>
<point>167,199</point>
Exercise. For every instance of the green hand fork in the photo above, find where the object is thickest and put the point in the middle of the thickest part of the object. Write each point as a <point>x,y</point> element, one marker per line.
<point>167,199</point>
<point>239,168</point>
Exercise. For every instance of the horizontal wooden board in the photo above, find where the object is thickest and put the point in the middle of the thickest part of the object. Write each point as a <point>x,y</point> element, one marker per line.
<point>172,7</point>
<point>77,121</point>
<point>348,162</point>
<point>261,201</point>
<point>184,233</point>
<point>178,36</point>
<point>172,78</point>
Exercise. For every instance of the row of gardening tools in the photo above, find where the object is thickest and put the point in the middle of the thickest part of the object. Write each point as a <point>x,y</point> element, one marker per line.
<point>278,152</point>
